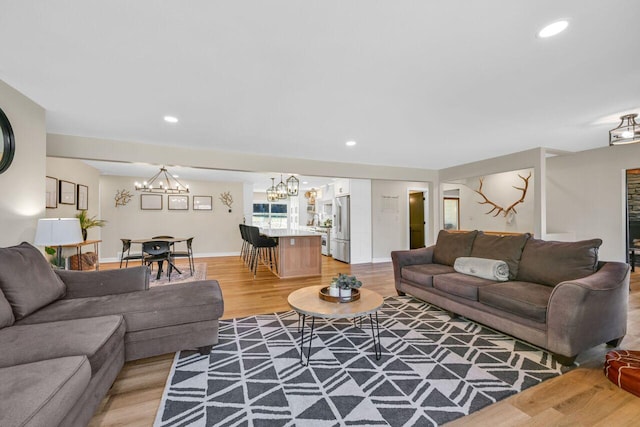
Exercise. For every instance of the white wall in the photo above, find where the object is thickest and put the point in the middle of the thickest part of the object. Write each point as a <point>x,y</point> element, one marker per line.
<point>360,221</point>
<point>499,189</point>
<point>216,232</point>
<point>586,195</point>
<point>23,184</point>
<point>390,215</point>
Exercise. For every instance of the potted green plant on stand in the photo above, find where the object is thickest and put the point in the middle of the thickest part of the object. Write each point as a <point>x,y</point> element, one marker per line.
<point>87,222</point>
<point>342,285</point>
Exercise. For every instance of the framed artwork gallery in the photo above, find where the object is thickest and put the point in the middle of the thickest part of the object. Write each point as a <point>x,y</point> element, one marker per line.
<point>67,195</point>
<point>202,203</point>
<point>82,197</point>
<point>151,202</point>
<point>51,192</point>
<point>178,203</point>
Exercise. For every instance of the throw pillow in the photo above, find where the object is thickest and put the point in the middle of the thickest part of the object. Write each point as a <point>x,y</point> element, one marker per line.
<point>507,248</point>
<point>550,263</point>
<point>451,246</point>
<point>27,279</point>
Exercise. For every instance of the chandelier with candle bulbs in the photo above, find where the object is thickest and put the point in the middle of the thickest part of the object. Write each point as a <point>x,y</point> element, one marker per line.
<point>162,182</point>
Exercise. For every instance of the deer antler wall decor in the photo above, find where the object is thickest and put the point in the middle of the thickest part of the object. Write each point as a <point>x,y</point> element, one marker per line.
<point>499,209</point>
<point>122,197</point>
<point>227,199</point>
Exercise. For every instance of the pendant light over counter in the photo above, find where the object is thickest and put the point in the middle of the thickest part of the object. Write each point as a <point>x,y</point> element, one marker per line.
<point>282,190</point>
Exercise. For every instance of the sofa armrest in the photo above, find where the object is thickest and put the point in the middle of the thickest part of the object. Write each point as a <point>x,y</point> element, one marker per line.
<point>83,284</point>
<point>410,257</point>
<point>590,311</point>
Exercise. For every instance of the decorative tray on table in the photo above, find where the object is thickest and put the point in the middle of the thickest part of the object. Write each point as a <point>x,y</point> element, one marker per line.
<point>324,295</point>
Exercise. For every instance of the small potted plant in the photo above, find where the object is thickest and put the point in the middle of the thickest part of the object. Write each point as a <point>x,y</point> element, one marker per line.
<point>87,222</point>
<point>341,286</point>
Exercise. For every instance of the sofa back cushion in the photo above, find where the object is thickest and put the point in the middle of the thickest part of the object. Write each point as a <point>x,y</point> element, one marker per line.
<point>450,246</point>
<point>6,314</point>
<point>550,263</point>
<point>27,279</point>
<point>505,248</point>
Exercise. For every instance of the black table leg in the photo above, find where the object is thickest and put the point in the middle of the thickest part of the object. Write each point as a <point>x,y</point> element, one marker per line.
<point>159,270</point>
<point>313,324</point>
<point>377,347</point>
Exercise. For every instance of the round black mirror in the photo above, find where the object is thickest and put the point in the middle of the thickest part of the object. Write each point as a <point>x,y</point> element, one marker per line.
<point>8,146</point>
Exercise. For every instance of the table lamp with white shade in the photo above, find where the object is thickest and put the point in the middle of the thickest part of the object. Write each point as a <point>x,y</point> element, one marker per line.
<point>58,232</point>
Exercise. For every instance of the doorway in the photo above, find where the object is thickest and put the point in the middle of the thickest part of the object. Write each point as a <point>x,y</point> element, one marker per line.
<point>416,220</point>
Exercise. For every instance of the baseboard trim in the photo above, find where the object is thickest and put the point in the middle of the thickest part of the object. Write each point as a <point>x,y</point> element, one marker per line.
<point>379,260</point>
<point>195,256</point>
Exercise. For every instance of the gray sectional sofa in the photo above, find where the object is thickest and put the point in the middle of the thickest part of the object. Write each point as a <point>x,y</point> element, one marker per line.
<point>65,335</point>
<point>558,296</point>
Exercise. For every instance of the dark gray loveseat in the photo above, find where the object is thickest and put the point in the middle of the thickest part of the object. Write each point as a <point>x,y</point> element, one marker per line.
<point>558,296</point>
<point>65,335</point>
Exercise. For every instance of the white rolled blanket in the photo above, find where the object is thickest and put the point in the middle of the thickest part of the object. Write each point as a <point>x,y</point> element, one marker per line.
<point>492,269</point>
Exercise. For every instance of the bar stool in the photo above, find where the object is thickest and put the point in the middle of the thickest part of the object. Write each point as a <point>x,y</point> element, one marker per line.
<point>262,247</point>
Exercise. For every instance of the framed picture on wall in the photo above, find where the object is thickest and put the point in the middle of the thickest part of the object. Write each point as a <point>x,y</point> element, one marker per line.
<point>202,203</point>
<point>52,192</point>
<point>82,197</point>
<point>178,203</point>
<point>67,192</point>
<point>151,202</point>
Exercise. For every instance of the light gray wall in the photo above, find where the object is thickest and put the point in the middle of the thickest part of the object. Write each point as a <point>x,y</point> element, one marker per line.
<point>499,189</point>
<point>586,195</point>
<point>531,159</point>
<point>216,232</point>
<point>23,184</point>
<point>79,173</point>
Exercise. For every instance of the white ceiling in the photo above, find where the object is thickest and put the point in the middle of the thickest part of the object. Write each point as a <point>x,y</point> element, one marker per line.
<point>416,83</point>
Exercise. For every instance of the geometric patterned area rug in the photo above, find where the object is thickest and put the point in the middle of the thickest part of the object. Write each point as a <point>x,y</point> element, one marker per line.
<point>433,370</point>
<point>199,273</point>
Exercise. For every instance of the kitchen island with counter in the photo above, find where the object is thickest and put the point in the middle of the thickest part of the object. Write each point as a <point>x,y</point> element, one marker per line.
<point>298,252</point>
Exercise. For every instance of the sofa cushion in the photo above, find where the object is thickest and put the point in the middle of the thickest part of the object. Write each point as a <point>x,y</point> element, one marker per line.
<point>550,263</point>
<point>505,248</point>
<point>97,338</point>
<point>42,393</point>
<point>6,313</point>
<point>450,246</point>
<point>27,279</point>
<point>459,284</point>
<point>423,273</point>
<point>154,308</point>
<point>528,300</point>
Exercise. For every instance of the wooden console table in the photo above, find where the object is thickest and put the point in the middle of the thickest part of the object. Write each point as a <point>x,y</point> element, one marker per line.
<point>79,246</point>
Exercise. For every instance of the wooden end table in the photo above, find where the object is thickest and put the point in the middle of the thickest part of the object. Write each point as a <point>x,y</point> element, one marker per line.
<point>306,302</point>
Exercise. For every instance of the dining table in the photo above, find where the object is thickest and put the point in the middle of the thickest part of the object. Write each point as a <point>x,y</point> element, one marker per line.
<point>171,240</point>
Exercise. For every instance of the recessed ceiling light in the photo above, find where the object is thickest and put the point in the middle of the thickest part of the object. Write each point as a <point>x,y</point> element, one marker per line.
<point>553,29</point>
<point>350,143</point>
<point>170,119</point>
<point>305,182</point>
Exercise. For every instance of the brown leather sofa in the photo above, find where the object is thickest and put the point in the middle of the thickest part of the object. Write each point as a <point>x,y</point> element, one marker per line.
<point>558,296</point>
<point>65,335</point>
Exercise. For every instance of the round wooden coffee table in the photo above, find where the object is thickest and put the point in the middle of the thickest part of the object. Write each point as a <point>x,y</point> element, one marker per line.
<point>307,303</point>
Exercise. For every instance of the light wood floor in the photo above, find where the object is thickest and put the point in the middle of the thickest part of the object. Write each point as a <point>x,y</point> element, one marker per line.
<point>581,397</point>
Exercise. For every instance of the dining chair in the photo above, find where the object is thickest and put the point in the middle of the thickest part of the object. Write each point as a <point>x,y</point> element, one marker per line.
<point>126,254</point>
<point>159,251</point>
<point>186,254</point>
<point>166,237</point>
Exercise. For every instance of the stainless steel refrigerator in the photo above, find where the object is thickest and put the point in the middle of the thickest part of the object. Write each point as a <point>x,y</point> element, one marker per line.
<point>342,249</point>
